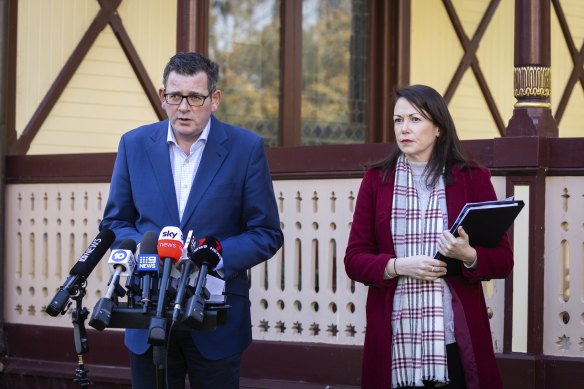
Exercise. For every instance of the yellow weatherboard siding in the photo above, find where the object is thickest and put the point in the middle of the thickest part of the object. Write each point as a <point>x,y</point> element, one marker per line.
<point>48,32</point>
<point>104,98</point>
<point>436,53</point>
<point>151,25</point>
<point>570,124</point>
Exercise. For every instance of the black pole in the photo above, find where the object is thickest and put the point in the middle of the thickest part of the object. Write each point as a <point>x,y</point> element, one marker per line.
<point>79,314</point>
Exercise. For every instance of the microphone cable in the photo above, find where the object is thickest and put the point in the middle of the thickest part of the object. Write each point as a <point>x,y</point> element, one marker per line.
<point>166,383</point>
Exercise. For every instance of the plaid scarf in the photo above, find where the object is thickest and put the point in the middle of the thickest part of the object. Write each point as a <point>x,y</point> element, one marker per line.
<point>419,349</point>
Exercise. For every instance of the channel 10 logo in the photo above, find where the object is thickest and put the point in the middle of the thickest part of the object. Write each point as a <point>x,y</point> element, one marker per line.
<point>119,256</point>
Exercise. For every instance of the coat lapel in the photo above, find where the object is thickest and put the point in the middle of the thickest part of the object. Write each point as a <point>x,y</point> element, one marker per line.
<point>456,195</point>
<point>211,160</point>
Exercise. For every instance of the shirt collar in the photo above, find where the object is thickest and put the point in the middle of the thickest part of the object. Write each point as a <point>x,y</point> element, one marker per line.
<point>171,139</point>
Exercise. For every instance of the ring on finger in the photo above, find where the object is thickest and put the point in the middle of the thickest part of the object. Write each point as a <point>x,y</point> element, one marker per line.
<point>432,269</point>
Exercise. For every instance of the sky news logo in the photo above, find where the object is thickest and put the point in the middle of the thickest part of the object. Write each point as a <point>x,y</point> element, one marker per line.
<point>147,262</point>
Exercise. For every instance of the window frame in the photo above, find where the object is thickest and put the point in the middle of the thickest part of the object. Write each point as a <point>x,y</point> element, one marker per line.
<point>388,66</point>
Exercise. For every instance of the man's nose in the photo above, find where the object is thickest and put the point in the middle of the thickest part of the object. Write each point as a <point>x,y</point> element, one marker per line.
<point>184,105</point>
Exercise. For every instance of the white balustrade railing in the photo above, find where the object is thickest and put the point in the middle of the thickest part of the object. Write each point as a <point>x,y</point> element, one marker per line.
<point>300,295</point>
<point>303,294</point>
<point>48,226</point>
<point>564,267</point>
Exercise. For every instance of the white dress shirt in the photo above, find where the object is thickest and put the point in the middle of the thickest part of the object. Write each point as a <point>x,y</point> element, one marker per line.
<point>184,167</point>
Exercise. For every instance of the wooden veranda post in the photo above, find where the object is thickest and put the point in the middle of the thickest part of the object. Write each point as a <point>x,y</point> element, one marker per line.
<point>532,114</point>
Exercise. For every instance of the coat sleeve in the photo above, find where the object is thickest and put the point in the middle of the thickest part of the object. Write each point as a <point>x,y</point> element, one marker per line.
<point>261,235</point>
<point>120,212</point>
<point>366,256</point>
<point>495,262</point>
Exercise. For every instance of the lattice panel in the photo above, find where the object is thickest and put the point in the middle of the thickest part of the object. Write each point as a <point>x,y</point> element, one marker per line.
<point>300,295</point>
<point>47,228</point>
<point>494,290</point>
<point>304,294</point>
<point>564,267</point>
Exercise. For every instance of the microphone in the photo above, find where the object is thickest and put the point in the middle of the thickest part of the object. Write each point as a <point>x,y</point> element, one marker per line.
<point>80,271</point>
<point>206,254</point>
<point>186,266</point>
<point>147,264</point>
<point>170,248</point>
<point>121,263</point>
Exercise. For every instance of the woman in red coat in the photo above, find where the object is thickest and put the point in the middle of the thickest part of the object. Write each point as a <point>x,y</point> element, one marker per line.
<point>424,328</point>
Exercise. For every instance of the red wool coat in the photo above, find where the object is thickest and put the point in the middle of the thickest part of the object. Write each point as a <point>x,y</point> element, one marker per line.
<point>370,247</point>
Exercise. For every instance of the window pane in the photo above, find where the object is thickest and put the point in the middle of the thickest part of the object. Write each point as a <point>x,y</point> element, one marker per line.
<point>334,71</point>
<point>244,40</point>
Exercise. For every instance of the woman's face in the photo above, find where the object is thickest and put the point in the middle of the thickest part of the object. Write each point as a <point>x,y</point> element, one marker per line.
<point>414,134</point>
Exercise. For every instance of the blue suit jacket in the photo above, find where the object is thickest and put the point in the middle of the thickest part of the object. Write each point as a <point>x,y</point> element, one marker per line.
<point>232,199</point>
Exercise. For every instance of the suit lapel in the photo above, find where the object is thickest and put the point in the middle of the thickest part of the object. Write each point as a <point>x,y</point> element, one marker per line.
<point>211,160</point>
<point>159,157</point>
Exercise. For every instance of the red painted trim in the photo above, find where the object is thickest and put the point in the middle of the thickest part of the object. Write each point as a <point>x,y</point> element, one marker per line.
<point>523,156</point>
<point>289,364</point>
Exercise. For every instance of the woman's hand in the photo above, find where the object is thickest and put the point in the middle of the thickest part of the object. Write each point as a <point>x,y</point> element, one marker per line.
<point>421,267</point>
<point>457,247</point>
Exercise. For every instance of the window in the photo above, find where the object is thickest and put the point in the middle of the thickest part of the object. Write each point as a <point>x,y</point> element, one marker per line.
<point>334,71</point>
<point>245,39</point>
<point>244,42</point>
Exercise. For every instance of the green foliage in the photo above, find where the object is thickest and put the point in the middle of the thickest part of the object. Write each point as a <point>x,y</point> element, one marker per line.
<point>245,42</point>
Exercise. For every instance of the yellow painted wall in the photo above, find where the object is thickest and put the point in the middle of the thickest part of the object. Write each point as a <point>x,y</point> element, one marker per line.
<point>571,124</point>
<point>104,98</point>
<point>436,53</point>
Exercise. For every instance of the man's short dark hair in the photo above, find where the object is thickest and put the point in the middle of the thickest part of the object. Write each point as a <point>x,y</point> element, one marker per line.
<point>189,64</point>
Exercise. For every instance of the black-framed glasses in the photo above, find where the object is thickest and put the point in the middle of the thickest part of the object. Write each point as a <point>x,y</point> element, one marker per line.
<point>192,100</point>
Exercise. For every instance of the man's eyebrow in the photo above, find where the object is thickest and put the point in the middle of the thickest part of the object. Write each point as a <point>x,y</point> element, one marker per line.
<point>189,94</point>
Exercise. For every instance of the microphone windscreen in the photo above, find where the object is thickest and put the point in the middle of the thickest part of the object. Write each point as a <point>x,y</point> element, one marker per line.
<point>148,257</point>
<point>123,257</point>
<point>170,243</point>
<point>208,250</point>
<point>149,243</point>
<point>128,244</point>
<point>96,250</point>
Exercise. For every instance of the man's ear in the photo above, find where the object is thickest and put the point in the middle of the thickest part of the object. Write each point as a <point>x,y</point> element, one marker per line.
<point>215,100</point>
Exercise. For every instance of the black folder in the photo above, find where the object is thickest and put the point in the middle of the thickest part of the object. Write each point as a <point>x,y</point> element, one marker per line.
<point>485,223</point>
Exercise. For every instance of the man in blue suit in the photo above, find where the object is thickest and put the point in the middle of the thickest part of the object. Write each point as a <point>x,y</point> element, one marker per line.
<point>197,173</point>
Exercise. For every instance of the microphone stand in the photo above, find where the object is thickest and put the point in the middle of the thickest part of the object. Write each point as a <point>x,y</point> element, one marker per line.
<point>79,314</point>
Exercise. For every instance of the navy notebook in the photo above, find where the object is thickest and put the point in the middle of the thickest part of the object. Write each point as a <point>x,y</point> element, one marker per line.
<point>485,223</point>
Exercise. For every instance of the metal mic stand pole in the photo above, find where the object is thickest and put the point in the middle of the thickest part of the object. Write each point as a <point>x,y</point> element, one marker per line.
<point>79,314</point>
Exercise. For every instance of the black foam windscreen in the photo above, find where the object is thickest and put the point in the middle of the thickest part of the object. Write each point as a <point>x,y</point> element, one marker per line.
<point>149,243</point>
<point>128,244</point>
<point>96,250</point>
<point>208,251</point>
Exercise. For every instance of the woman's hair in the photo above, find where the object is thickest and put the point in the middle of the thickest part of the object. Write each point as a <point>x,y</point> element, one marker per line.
<point>447,149</point>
